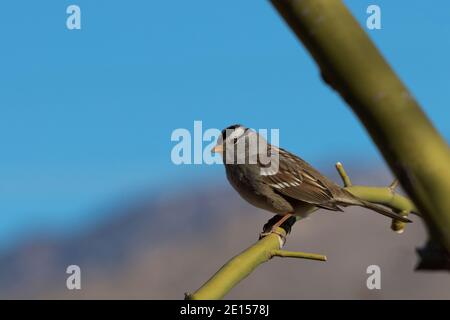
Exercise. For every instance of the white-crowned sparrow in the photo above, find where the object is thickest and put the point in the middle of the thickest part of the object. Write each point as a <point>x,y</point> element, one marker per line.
<point>278,181</point>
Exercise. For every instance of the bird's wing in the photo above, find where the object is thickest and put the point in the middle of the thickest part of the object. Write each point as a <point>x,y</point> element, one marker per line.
<point>297,179</point>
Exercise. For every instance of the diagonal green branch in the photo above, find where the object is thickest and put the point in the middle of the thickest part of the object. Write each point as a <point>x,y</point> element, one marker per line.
<point>353,66</point>
<point>414,150</point>
<point>244,263</point>
<point>238,268</point>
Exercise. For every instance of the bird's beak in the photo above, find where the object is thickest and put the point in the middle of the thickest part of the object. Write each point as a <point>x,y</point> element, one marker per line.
<point>217,149</point>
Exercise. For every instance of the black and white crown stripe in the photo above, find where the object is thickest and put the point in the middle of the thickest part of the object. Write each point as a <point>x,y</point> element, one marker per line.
<point>236,133</point>
<point>233,132</point>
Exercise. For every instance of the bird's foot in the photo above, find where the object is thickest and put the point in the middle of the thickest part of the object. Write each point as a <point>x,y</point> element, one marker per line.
<point>272,227</point>
<point>276,231</point>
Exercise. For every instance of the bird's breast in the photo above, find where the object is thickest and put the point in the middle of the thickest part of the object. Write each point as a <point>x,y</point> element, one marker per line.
<point>255,192</point>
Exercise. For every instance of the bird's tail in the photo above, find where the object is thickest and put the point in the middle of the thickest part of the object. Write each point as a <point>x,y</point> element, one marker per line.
<point>352,200</point>
<point>383,211</point>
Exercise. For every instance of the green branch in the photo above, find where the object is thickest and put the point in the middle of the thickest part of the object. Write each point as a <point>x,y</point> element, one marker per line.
<point>296,254</point>
<point>262,251</point>
<point>380,195</point>
<point>414,150</point>
<point>351,64</point>
<point>243,264</point>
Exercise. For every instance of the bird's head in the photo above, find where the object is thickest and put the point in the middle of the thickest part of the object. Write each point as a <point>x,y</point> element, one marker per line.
<point>230,137</point>
<point>238,144</point>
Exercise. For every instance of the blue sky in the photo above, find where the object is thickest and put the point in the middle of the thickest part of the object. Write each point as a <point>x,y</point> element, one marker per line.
<point>86,115</point>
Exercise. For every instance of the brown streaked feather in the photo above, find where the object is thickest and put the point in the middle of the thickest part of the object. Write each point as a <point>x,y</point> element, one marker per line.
<point>297,179</point>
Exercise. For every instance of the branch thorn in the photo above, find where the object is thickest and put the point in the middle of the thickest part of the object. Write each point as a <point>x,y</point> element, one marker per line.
<point>345,178</point>
<point>393,185</point>
<point>299,255</point>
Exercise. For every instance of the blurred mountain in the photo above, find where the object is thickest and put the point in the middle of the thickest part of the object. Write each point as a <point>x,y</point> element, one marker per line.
<point>164,245</point>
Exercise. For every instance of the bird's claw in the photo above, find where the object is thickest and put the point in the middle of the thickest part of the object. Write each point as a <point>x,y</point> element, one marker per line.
<point>281,235</point>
